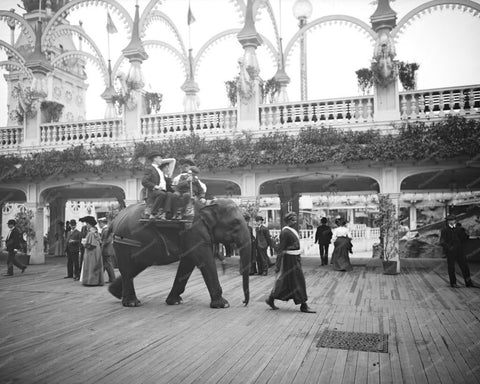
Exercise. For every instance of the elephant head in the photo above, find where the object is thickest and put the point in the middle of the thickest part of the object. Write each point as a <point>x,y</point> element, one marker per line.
<point>226,224</point>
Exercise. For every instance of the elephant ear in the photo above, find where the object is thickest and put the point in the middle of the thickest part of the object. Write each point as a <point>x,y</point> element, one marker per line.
<point>209,215</point>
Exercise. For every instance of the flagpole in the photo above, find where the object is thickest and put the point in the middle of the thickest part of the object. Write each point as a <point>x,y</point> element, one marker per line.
<point>189,35</point>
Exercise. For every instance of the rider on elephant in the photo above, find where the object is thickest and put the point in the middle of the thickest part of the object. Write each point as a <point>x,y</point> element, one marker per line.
<point>160,196</point>
<point>189,186</point>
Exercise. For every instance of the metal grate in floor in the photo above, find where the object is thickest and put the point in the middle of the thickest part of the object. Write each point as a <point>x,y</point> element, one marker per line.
<point>357,341</point>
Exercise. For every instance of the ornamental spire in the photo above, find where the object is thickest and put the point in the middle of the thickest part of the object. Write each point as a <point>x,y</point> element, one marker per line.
<point>384,16</point>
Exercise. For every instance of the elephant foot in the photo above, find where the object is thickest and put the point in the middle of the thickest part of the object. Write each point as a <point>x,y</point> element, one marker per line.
<point>174,300</point>
<point>115,288</point>
<point>220,303</point>
<point>130,302</point>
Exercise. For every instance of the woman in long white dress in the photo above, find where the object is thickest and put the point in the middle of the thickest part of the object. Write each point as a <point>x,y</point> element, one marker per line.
<point>92,267</point>
<point>343,246</point>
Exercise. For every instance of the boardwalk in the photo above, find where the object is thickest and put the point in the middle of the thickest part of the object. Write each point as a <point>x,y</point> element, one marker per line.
<point>56,331</point>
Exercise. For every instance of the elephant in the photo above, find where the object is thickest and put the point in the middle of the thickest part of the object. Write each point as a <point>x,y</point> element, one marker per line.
<point>139,244</point>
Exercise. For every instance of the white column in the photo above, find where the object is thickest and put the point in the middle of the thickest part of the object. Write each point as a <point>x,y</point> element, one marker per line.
<point>413,217</point>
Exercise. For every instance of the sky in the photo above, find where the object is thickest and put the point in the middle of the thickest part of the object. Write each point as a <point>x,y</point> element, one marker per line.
<point>447,56</point>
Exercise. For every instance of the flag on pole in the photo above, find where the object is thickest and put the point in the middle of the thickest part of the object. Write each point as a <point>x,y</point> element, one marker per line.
<point>190,19</point>
<point>110,26</point>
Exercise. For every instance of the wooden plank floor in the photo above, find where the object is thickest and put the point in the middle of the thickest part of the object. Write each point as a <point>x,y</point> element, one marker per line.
<point>54,330</point>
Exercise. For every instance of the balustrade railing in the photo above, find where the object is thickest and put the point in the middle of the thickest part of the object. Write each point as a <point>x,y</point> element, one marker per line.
<point>211,123</point>
<point>441,102</point>
<point>11,137</point>
<point>100,131</point>
<point>288,117</point>
<point>317,113</point>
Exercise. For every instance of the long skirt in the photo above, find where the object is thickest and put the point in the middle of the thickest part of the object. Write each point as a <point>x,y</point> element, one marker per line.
<point>290,281</point>
<point>92,267</point>
<point>340,258</point>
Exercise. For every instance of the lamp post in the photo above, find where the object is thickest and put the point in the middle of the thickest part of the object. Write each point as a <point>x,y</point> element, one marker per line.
<point>302,10</point>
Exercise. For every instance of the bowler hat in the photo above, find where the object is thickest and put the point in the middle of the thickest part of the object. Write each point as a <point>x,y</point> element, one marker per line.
<point>90,220</point>
<point>289,215</point>
<point>11,222</point>
<point>259,218</point>
<point>153,154</point>
<point>451,217</point>
<point>73,222</point>
<point>323,220</point>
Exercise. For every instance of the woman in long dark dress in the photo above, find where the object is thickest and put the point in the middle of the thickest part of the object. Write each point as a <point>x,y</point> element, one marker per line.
<point>343,246</point>
<point>290,281</point>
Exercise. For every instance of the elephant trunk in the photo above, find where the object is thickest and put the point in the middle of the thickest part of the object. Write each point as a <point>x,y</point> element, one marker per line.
<point>245,247</point>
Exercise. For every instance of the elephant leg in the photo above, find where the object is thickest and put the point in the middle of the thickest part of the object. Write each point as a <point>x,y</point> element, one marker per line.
<point>184,271</point>
<point>123,286</point>
<point>210,275</point>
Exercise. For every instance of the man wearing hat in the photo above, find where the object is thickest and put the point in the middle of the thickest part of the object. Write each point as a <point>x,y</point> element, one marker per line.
<point>263,240</point>
<point>13,243</point>
<point>74,238</point>
<point>157,182</point>
<point>290,281</point>
<point>107,248</point>
<point>452,239</point>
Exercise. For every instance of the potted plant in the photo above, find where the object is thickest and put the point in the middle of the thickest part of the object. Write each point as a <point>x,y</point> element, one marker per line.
<point>232,91</point>
<point>364,80</point>
<point>26,227</point>
<point>153,101</point>
<point>269,88</point>
<point>51,110</point>
<point>387,221</point>
<point>406,74</point>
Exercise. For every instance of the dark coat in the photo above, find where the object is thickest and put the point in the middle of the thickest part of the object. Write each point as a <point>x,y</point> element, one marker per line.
<point>323,235</point>
<point>74,239</point>
<point>263,238</point>
<point>15,240</point>
<point>151,179</point>
<point>453,239</point>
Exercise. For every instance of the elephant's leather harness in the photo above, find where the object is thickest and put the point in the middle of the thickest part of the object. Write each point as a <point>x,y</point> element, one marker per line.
<point>124,241</point>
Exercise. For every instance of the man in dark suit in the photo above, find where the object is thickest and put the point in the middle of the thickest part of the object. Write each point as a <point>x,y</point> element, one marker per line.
<point>158,185</point>
<point>452,239</point>
<point>13,243</point>
<point>323,236</point>
<point>263,240</point>
<point>74,238</point>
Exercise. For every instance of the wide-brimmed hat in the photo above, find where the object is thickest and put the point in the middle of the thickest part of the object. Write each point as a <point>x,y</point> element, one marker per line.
<point>11,222</point>
<point>153,154</point>
<point>289,215</point>
<point>451,217</point>
<point>89,220</point>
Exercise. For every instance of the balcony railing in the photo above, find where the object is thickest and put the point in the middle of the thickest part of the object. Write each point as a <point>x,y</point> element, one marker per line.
<point>438,103</point>
<point>11,137</point>
<point>100,131</point>
<point>210,123</point>
<point>288,117</point>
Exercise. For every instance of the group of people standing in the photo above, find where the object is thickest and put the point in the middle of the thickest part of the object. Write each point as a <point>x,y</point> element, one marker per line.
<point>89,253</point>
<point>168,198</point>
<point>341,239</point>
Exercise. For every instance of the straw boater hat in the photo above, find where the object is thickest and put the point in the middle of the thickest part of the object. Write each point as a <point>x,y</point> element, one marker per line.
<point>102,219</point>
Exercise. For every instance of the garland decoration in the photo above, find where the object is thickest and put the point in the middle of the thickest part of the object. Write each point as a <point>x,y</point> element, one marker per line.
<point>451,138</point>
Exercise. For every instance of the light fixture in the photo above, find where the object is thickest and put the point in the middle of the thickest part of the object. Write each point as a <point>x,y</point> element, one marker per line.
<point>302,9</point>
